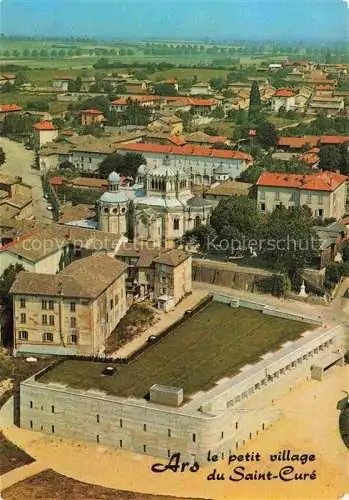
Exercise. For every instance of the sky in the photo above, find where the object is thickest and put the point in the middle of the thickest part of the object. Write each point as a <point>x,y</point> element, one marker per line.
<point>292,20</point>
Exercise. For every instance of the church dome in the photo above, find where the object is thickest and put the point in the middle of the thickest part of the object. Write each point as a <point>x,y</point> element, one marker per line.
<point>114,177</point>
<point>142,170</point>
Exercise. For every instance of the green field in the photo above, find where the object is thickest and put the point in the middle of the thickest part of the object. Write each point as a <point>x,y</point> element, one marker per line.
<point>215,343</point>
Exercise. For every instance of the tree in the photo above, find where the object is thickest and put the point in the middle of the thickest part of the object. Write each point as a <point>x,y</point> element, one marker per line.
<point>21,78</point>
<point>289,241</point>
<point>126,165</point>
<point>334,157</point>
<point>255,96</point>
<point>165,89</point>
<point>2,156</point>
<point>251,174</point>
<point>236,219</point>
<point>217,83</point>
<point>267,135</point>
<point>218,113</point>
<point>6,281</point>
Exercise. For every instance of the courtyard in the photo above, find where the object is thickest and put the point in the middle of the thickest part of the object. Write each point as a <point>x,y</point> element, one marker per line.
<point>215,343</point>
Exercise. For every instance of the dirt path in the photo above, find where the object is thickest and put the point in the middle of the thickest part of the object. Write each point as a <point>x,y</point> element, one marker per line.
<point>308,424</point>
<point>16,475</point>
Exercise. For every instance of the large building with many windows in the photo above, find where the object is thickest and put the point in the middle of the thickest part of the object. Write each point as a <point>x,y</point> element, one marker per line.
<point>323,192</point>
<point>72,312</point>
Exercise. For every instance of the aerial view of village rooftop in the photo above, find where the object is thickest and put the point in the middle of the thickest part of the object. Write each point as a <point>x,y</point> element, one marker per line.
<point>174,250</point>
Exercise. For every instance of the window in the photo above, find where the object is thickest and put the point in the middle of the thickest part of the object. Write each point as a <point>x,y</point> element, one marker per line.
<point>97,438</point>
<point>308,198</point>
<point>144,448</point>
<point>145,427</point>
<point>222,435</point>
<point>23,335</point>
<point>194,438</point>
<point>48,337</point>
<point>74,339</point>
<point>263,207</point>
<point>72,307</point>
<point>72,322</point>
<point>236,425</point>
<point>277,195</point>
<point>52,320</point>
<point>320,199</point>
<point>51,305</point>
<point>90,159</point>
<point>116,299</point>
<point>169,433</point>
<point>120,443</point>
<point>175,224</point>
<point>52,409</point>
<point>53,429</point>
<point>107,317</point>
<point>22,303</point>
<point>169,453</point>
<point>321,212</point>
<point>23,318</point>
<point>44,319</point>
<point>105,210</point>
<point>31,424</point>
<point>31,404</point>
<point>97,416</point>
<point>44,304</point>
<point>111,303</point>
<point>262,195</point>
<point>115,210</point>
<point>121,422</point>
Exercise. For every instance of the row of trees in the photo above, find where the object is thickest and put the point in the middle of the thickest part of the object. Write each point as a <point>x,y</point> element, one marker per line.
<point>284,239</point>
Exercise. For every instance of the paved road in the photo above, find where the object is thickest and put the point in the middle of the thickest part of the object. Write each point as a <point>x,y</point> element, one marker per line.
<point>18,163</point>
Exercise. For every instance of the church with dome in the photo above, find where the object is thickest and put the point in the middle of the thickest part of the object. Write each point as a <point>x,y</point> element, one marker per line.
<point>159,209</point>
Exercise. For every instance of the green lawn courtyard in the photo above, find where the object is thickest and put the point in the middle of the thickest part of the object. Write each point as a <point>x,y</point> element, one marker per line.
<point>215,343</point>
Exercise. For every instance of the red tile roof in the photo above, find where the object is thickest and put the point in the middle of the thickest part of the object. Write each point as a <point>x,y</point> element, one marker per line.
<point>284,93</point>
<point>44,126</point>
<point>57,180</point>
<point>187,150</point>
<point>178,140</point>
<point>191,101</point>
<point>122,101</point>
<point>322,181</point>
<point>310,158</point>
<point>91,112</point>
<point>334,139</point>
<point>299,142</point>
<point>7,108</point>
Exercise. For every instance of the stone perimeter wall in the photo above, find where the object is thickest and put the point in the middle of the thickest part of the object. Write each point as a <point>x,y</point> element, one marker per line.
<point>220,420</point>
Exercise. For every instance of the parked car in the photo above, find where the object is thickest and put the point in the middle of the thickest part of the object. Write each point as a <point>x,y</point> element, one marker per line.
<point>109,370</point>
<point>49,207</point>
<point>152,338</point>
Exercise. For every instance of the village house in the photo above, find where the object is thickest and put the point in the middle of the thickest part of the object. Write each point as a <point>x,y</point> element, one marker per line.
<point>331,239</point>
<point>135,86</point>
<point>283,98</point>
<point>72,312</point>
<point>145,101</point>
<point>201,88</point>
<point>43,133</point>
<point>15,198</point>
<point>61,83</point>
<point>199,161</point>
<point>7,79</point>
<point>157,274</point>
<point>332,106</point>
<point>170,124</point>
<point>8,109</point>
<point>203,139</point>
<point>87,82</point>
<point>323,192</point>
<point>47,248</point>
<point>91,117</point>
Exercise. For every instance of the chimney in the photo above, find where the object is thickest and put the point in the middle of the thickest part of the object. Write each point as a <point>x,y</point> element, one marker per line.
<point>60,288</point>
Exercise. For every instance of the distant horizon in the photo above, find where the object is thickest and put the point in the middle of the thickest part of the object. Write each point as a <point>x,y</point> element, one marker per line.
<point>220,21</point>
